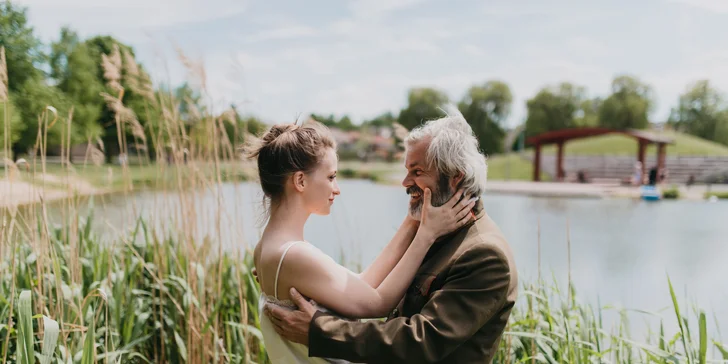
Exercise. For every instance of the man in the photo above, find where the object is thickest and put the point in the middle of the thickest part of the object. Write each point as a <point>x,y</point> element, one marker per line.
<point>457,307</point>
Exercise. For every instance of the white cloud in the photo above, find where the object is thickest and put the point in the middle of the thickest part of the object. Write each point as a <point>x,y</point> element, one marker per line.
<point>287,32</point>
<point>586,45</point>
<point>474,50</point>
<point>707,65</point>
<point>275,88</point>
<point>367,97</point>
<point>369,8</point>
<point>362,59</point>
<point>128,16</point>
<point>716,6</point>
<point>250,62</point>
<point>409,44</point>
<point>516,9</point>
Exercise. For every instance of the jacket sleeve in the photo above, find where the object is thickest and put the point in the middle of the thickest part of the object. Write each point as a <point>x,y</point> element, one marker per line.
<point>474,292</point>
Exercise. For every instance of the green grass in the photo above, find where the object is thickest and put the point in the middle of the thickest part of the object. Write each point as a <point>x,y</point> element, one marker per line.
<point>511,167</point>
<point>150,175</point>
<point>616,144</point>
<point>720,195</point>
<point>671,193</point>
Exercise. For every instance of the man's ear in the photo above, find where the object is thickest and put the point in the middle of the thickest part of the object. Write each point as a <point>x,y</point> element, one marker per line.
<point>299,181</point>
<point>456,180</point>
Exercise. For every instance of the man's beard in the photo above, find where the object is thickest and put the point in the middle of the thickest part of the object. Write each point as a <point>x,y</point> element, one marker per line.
<point>441,195</point>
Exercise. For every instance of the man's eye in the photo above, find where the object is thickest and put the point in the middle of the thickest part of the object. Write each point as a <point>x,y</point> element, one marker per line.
<point>418,173</point>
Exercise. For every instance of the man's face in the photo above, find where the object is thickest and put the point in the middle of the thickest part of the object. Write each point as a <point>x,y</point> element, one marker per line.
<point>420,176</point>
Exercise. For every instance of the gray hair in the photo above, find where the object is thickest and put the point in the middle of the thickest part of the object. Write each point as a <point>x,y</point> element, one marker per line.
<point>453,148</point>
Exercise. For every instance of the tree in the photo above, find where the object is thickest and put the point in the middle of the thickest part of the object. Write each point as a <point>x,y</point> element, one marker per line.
<point>628,105</point>
<point>721,128</point>
<point>701,112</point>
<point>486,109</point>
<point>588,113</point>
<point>74,68</point>
<point>422,105</point>
<point>555,108</point>
<point>33,100</point>
<point>122,72</point>
<point>383,120</point>
<point>330,122</point>
<point>22,49</point>
<point>9,114</point>
<point>190,103</point>
<point>346,124</point>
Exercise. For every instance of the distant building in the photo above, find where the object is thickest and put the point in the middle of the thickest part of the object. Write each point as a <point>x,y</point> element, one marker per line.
<point>367,144</point>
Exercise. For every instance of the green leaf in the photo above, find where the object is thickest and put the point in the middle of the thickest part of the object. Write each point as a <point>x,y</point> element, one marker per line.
<point>722,349</point>
<point>679,320</point>
<point>182,348</point>
<point>50,339</point>
<point>26,353</point>
<point>703,339</point>
<point>89,347</point>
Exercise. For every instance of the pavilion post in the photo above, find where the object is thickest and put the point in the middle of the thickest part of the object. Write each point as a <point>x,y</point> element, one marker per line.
<point>537,164</point>
<point>560,161</point>
<point>641,155</point>
<point>661,152</point>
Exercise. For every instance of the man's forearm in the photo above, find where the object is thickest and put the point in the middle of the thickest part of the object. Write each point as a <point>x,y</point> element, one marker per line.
<point>391,254</point>
<point>403,340</point>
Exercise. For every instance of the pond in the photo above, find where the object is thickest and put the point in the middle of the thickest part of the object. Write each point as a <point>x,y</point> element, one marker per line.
<point>621,250</point>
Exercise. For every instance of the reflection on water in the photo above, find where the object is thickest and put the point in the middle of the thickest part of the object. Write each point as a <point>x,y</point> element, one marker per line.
<point>621,250</point>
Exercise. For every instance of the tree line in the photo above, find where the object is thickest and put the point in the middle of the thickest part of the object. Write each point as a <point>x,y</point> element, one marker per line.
<point>72,74</point>
<point>701,110</point>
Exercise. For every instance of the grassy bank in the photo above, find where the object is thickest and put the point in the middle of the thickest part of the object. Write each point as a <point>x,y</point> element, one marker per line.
<point>151,296</point>
<point>720,195</point>
<point>615,144</point>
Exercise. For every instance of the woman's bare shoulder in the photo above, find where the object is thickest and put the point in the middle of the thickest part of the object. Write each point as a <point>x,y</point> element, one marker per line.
<point>306,263</point>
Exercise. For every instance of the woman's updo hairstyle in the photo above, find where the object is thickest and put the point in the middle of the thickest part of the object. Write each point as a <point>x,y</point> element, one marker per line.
<point>286,149</point>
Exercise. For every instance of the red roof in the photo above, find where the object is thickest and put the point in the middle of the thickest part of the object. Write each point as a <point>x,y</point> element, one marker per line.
<point>563,135</point>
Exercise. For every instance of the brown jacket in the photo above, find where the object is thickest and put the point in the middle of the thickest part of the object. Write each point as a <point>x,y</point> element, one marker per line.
<point>455,311</point>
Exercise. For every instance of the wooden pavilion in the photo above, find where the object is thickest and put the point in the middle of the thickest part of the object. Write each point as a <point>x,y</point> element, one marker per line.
<point>559,137</point>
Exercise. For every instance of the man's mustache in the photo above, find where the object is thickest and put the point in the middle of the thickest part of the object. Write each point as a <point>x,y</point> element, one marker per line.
<point>414,189</point>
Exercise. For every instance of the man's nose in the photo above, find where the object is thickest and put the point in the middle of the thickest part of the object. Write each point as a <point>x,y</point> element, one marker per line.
<point>407,182</point>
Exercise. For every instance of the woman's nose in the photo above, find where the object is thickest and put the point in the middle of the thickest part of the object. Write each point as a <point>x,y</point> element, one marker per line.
<point>337,191</point>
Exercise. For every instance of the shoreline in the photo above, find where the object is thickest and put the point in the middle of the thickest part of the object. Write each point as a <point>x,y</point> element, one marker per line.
<point>20,193</point>
<point>593,190</point>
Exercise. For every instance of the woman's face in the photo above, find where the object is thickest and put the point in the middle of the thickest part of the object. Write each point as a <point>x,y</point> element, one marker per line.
<point>321,187</point>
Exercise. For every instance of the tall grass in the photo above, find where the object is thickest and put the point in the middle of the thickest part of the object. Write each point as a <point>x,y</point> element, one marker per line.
<point>133,301</point>
<point>154,293</point>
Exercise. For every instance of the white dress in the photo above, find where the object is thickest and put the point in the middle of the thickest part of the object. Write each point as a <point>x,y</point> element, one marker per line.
<point>280,350</point>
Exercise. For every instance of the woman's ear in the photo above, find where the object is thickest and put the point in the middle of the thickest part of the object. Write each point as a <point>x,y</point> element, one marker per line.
<point>299,181</point>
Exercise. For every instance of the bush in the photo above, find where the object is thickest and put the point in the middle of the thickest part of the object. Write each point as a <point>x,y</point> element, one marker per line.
<point>671,194</point>
<point>347,173</point>
<point>720,195</point>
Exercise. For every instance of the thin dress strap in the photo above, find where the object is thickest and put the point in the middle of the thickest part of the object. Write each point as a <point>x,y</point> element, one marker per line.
<point>280,263</point>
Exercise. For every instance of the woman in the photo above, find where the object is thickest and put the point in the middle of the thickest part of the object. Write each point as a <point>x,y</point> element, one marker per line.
<point>297,170</point>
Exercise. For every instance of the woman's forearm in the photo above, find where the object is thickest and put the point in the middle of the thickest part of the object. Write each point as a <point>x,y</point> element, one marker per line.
<point>391,254</point>
<point>394,285</point>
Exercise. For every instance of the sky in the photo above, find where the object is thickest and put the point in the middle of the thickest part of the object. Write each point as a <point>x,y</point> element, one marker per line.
<point>279,59</point>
